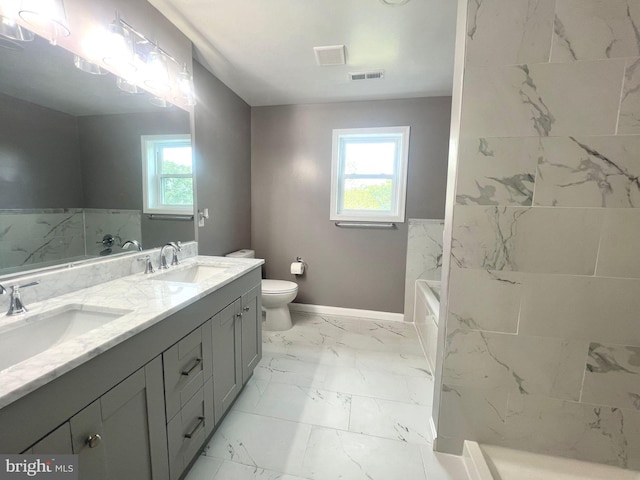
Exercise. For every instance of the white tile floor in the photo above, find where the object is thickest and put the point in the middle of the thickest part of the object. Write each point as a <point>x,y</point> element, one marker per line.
<point>332,398</point>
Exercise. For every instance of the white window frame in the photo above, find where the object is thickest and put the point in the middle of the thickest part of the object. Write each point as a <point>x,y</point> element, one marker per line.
<point>151,179</point>
<point>399,177</point>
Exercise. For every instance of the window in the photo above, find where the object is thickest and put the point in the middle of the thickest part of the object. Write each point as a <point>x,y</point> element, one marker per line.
<point>369,174</point>
<point>167,168</point>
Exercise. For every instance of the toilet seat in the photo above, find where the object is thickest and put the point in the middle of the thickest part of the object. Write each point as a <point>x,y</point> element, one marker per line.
<point>278,287</point>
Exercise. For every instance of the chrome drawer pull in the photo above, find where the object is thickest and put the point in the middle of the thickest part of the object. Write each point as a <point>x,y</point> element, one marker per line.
<point>193,367</point>
<point>193,432</point>
<point>246,309</point>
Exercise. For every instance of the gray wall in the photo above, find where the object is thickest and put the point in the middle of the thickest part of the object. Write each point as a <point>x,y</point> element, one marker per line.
<point>112,166</point>
<point>222,137</point>
<point>291,185</point>
<point>39,157</point>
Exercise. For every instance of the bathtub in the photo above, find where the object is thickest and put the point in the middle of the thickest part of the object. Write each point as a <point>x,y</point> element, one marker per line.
<point>425,317</point>
<point>490,462</point>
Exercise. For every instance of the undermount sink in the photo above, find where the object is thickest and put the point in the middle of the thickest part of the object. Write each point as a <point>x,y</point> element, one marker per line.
<point>192,274</point>
<point>48,329</point>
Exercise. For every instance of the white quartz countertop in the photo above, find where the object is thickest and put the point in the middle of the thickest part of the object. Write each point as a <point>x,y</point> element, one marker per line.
<point>147,301</point>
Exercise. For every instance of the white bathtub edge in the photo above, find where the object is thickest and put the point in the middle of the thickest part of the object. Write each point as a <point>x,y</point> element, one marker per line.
<point>474,461</point>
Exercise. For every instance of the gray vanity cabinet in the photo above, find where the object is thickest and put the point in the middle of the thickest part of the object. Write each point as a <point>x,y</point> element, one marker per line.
<point>227,357</point>
<point>123,433</point>
<point>251,316</point>
<point>57,442</point>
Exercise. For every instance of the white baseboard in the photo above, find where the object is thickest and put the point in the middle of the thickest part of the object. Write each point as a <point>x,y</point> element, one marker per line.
<point>432,427</point>
<point>346,312</point>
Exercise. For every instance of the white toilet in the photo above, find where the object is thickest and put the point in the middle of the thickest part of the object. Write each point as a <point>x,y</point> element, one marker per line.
<point>276,297</point>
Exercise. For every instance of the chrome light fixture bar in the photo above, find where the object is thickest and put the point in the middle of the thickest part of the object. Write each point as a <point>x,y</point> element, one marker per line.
<point>48,17</point>
<point>156,68</point>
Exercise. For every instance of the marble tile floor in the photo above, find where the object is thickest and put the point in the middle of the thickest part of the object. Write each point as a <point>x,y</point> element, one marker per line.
<point>332,398</point>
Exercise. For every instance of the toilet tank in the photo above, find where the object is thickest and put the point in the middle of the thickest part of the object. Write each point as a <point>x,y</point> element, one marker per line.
<point>244,253</point>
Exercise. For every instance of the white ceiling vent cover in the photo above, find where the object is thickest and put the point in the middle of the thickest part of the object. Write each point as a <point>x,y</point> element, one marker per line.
<point>374,75</point>
<point>330,55</point>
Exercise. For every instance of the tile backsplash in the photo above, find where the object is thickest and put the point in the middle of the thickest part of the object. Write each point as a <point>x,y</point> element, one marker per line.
<point>30,238</point>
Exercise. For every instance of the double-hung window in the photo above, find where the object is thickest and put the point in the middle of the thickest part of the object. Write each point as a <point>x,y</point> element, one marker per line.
<point>167,174</point>
<point>369,174</point>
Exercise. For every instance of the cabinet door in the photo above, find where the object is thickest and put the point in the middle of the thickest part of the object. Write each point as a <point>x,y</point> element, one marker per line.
<point>227,358</point>
<point>57,442</point>
<point>251,332</point>
<point>130,422</point>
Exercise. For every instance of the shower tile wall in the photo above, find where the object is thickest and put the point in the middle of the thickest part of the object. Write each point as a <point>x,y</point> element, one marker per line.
<point>424,258</point>
<point>542,347</point>
<point>46,236</point>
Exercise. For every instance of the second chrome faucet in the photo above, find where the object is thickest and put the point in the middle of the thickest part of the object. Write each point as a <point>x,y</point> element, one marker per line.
<point>177,247</point>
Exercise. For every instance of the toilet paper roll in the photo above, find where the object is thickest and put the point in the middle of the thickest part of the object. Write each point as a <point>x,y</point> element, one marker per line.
<point>297,268</point>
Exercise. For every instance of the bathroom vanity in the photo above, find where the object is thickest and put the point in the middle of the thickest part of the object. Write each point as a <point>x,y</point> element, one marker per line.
<point>139,397</point>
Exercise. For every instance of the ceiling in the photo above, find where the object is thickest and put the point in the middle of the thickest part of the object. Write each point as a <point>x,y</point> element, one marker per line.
<point>263,50</point>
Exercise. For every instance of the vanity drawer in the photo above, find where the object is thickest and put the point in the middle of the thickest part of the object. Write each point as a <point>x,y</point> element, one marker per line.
<point>187,366</point>
<point>189,429</point>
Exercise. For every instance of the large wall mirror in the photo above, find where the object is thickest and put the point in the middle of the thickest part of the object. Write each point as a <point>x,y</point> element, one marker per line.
<point>70,161</point>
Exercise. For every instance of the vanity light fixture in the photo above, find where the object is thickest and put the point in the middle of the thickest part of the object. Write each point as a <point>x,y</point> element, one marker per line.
<point>159,102</point>
<point>10,30</point>
<point>47,17</point>
<point>185,85</point>
<point>120,49</point>
<point>157,71</point>
<point>127,86</point>
<point>87,66</point>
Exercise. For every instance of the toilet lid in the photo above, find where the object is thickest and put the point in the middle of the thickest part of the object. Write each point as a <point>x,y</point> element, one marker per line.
<point>278,286</point>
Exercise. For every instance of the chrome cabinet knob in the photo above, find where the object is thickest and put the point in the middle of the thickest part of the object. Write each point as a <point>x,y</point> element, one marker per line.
<point>94,440</point>
<point>246,309</point>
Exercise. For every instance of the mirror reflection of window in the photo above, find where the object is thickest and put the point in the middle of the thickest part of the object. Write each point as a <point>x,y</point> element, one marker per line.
<point>168,174</point>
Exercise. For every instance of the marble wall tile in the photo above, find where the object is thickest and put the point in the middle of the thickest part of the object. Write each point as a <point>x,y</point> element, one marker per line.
<point>122,224</point>
<point>589,432</point>
<point>40,237</point>
<point>424,258</point>
<point>496,171</point>
<point>588,172</point>
<point>472,413</point>
<point>530,365</point>
<point>484,300</point>
<point>629,118</point>
<point>507,32</point>
<point>612,376</point>
<point>619,244</point>
<point>589,308</point>
<point>580,98</point>
<point>550,240</point>
<point>592,29</point>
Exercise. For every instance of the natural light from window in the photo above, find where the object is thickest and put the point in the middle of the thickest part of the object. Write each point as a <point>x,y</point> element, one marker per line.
<point>369,168</point>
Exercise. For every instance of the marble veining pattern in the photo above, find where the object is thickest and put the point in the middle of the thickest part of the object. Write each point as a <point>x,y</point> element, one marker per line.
<point>497,171</point>
<point>424,258</point>
<point>526,38</point>
<point>280,427</point>
<point>629,117</point>
<point>595,29</point>
<point>612,376</point>
<point>579,98</point>
<point>542,330</point>
<point>589,172</point>
<point>148,302</point>
<point>122,224</point>
<point>552,240</point>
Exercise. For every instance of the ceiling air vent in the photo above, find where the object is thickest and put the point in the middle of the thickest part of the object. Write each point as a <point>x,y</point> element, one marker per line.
<point>330,55</point>
<point>378,74</point>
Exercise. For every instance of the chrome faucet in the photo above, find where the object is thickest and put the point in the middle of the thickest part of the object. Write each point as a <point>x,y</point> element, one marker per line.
<point>16,307</point>
<point>135,243</point>
<point>148,268</point>
<point>177,247</point>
